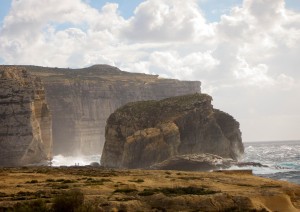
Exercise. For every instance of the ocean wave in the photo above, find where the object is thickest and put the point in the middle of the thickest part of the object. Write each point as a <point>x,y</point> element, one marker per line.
<point>282,159</point>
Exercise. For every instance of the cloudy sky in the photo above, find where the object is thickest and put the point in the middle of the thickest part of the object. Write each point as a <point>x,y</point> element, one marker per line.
<point>246,53</point>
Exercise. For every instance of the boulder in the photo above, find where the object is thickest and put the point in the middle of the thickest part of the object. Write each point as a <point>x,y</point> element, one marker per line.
<point>144,133</point>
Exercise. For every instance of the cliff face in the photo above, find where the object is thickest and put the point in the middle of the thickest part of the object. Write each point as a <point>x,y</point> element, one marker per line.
<point>25,120</point>
<point>141,134</point>
<point>82,99</point>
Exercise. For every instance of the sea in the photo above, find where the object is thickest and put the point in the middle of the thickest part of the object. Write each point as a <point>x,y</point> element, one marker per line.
<point>282,159</point>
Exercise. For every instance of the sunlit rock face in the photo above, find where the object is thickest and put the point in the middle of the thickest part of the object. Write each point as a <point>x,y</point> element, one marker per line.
<point>141,134</point>
<point>25,119</point>
<point>81,100</point>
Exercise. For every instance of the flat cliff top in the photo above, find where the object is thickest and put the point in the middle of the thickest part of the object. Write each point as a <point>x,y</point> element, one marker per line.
<point>153,112</point>
<point>148,190</point>
<point>17,76</point>
<point>95,73</point>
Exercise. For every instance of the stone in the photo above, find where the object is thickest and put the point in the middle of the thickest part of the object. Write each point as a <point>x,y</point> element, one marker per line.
<point>81,100</point>
<point>194,162</point>
<point>144,133</point>
<point>25,119</point>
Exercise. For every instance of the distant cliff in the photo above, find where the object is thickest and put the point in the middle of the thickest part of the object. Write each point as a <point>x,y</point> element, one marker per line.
<point>25,120</point>
<point>81,100</point>
<point>144,133</point>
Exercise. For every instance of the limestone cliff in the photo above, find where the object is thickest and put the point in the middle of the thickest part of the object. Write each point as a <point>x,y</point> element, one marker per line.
<point>25,120</point>
<point>143,133</point>
<point>82,99</point>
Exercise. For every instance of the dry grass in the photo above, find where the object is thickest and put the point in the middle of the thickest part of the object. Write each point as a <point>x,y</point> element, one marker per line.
<point>142,190</point>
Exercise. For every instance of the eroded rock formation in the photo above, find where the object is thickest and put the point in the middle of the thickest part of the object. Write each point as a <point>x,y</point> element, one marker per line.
<point>25,120</point>
<point>194,162</point>
<point>144,133</point>
<point>82,99</point>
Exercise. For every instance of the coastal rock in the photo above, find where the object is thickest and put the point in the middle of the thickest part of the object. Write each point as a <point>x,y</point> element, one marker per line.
<point>194,162</point>
<point>245,164</point>
<point>81,100</point>
<point>25,120</point>
<point>141,134</point>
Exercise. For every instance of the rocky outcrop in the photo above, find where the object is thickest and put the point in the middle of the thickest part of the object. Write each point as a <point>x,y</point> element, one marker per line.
<point>194,162</point>
<point>203,162</point>
<point>144,133</point>
<point>81,100</point>
<point>25,120</point>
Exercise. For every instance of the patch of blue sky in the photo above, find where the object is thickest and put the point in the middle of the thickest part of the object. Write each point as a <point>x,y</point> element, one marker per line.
<point>5,6</point>
<point>293,5</point>
<point>1,61</point>
<point>67,25</point>
<point>126,8</point>
<point>62,26</point>
<point>214,9</point>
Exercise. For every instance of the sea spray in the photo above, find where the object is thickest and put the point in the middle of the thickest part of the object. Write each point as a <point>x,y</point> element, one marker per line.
<point>79,160</point>
<point>281,157</point>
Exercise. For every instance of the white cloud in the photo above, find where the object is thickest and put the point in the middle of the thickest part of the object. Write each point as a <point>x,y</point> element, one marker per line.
<point>257,75</point>
<point>166,20</point>
<point>245,60</point>
<point>183,67</point>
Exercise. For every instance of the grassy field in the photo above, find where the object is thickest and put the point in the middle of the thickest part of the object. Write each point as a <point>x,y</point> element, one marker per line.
<point>99,189</point>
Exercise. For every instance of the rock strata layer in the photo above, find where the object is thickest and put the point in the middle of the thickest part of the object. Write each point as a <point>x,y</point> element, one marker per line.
<point>141,134</point>
<point>25,120</point>
<point>81,100</point>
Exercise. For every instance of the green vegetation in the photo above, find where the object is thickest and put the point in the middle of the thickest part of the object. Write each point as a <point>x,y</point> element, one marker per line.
<point>270,186</point>
<point>92,181</point>
<point>68,181</point>
<point>32,181</point>
<point>190,178</point>
<point>68,201</point>
<point>2,194</point>
<point>246,185</point>
<point>156,111</point>
<point>125,190</point>
<point>36,206</point>
<point>55,186</point>
<point>64,181</point>
<point>137,181</point>
<point>177,191</point>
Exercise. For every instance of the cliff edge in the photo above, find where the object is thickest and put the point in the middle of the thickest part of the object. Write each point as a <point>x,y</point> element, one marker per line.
<point>144,133</point>
<point>25,120</point>
<point>81,100</point>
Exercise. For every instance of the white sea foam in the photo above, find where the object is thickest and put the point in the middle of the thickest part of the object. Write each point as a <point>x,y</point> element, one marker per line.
<point>282,159</point>
<point>79,160</point>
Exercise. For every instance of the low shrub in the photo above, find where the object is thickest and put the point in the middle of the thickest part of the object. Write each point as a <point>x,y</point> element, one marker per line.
<point>96,181</point>
<point>36,206</point>
<point>125,190</point>
<point>68,201</point>
<point>2,194</point>
<point>177,191</point>
<point>32,181</point>
<point>137,181</point>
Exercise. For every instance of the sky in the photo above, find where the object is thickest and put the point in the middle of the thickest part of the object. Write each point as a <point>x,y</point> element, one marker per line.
<point>245,52</point>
